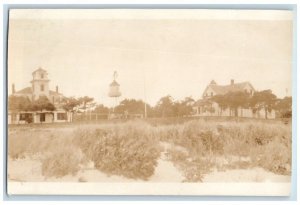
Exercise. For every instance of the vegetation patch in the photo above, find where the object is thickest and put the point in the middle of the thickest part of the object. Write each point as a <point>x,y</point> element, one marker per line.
<point>129,150</point>
<point>132,149</point>
<point>63,162</point>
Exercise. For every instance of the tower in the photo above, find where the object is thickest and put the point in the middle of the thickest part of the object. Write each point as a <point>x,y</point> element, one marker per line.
<point>40,84</point>
<point>114,89</point>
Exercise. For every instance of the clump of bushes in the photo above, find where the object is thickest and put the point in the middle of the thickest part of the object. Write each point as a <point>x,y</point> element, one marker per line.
<point>64,161</point>
<point>275,157</point>
<point>25,144</point>
<point>196,169</point>
<point>267,145</point>
<point>257,141</point>
<point>196,136</point>
<point>129,149</point>
<point>193,167</point>
<point>16,146</point>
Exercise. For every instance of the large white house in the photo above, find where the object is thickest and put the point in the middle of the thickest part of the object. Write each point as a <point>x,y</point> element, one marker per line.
<point>39,87</point>
<point>207,107</point>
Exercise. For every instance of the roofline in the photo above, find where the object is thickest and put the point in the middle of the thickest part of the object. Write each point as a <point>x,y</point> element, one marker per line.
<point>251,85</point>
<point>39,70</point>
<point>207,89</point>
<point>208,86</point>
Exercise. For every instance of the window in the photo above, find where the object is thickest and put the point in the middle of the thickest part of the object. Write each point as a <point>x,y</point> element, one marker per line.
<point>42,75</point>
<point>42,87</point>
<point>42,117</point>
<point>61,116</point>
<point>26,117</point>
<point>22,116</point>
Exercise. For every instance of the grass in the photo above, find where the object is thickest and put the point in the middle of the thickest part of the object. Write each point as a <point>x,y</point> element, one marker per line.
<point>132,148</point>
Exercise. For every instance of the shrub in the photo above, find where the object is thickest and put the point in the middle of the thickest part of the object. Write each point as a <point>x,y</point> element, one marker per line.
<point>22,144</point>
<point>267,144</point>
<point>177,156</point>
<point>196,136</point>
<point>275,157</point>
<point>193,167</point>
<point>129,150</point>
<point>16,146</point>
<point>31,142</point>
<point>195,170</point>
<point>64,161</point>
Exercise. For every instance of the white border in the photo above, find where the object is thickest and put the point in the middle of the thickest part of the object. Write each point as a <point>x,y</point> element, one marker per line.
<point>200,189</point>
<point>211,201</point>
<point>152,14</point>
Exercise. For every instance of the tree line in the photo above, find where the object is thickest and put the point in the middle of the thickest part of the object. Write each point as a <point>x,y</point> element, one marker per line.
<point>165,107</point>
<point>263,100</point>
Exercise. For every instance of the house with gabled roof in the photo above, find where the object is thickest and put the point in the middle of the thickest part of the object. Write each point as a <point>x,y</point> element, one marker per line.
<point>208,107</point>
<point>39,87</point>
<point>214,89</point>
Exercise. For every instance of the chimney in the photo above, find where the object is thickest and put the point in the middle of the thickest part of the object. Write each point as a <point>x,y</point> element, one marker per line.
<point>231,82</point>
<point>56,89</point>
<point>13,88</point>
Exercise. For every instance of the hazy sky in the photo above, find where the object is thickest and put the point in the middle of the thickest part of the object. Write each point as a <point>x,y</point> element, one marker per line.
<point>174,56</point>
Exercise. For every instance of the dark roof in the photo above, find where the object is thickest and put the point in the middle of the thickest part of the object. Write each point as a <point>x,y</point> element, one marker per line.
<point>114,83</point>
<point>27,90</point>
<point>223,89</point>
<point>40,69</point>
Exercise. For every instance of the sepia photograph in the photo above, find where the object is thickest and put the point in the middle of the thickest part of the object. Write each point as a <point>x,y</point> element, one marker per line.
<point>149,102</point>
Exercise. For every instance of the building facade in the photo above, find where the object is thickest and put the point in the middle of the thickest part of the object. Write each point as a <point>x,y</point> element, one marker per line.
<point>39,88</point>
<point>207,107</point>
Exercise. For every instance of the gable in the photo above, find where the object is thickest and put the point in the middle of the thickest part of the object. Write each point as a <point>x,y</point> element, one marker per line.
<point>209,91</point>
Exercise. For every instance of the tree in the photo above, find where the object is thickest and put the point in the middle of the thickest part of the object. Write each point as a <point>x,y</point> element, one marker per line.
<point>19,103</point>
<point>284,107</point>
<point>184,107</point>
<point>164,107</point>
<point>236,100</point>
<point>84,100</point>
<point>70,103</point>
<point>222,101</point>
<point>132,106</point>
<point>233,100</point>
<point>101,109</point>
<point>42,103</point>
<point>263,100</point>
